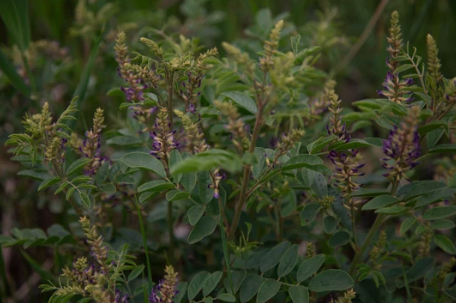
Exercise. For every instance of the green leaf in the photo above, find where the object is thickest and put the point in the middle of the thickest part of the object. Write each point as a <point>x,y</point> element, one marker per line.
<point>238,277</point>
<point>175,158</point>
<point>309,161</point>
<point>273,257</point>
<point>331,280</point>
<point>424,129</point>
<point>330,224</point>
<point>49,182</point>
<point>419,188</point>
<point>176,195</point>
<point>124,179</point>
<point>268,290</point>
<point>403,67</point>
<point>369,192</point>
<point>435,196</point>
<point>188,180</point>
<point>442,224</point>
<point>116,92</point>
<point>124,141</point>
<point>393,210</point>
<point>445,244</point>
<point>320,143</point>
<point>207,161</point>
<point>195,213</point>
<point>307,177</point>
<point>135,273</point>
<point>299,294</point>
<point>443,148</point>
<point>380,201</point>
<point>39,175</point>
<point>109,188</point>
<point>309,212</point>
<point>407,224</point>
<point>226,297</point>
<point>288,261</point>
<point>320,186</point>
<point>182,290</point>
<point>354,143</point>
<point>433,137</point>
<point>85,200</point>
<point>339,238</point>
<point>309,267</point>
<point>439,212</point>
<point>417,271</point>
<point>250,287</point>
<point>204,228</point>
<point>197,284</point>
<point>211,282</point>
<point>242,99</point>
<point>9,71</point>
<point>295,43</point>
<point>155,186</point>
<point>145,161</point>
<point>76,165</point>
<point>147,195</point>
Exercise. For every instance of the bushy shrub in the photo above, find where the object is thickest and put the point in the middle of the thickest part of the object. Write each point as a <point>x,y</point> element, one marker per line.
<point>257,184</point>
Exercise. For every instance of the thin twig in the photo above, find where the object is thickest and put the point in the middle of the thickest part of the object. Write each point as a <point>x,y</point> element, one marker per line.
<point>362,39</point>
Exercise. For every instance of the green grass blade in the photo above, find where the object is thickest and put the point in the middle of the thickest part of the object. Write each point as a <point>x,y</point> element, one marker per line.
<point>44,274</point>
<point>8,69</point>
<point>84,81</point>
<point>144,236</point>
<point>14,14</point>
<point>81,89</point>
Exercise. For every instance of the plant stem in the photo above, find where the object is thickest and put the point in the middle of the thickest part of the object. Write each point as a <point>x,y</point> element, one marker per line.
<point>5,288</point>
<point>372,232</point>
<point>170,231</point>
<point>170,203</point>
<point>170,98</point>
<point>352,210</point>
<point>143,233</point>
<point>226,252</point>
<point>246,175</point>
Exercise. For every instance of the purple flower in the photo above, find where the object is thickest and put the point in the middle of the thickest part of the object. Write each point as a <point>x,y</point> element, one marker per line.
<point>402,146</point>
<point>119,298</point>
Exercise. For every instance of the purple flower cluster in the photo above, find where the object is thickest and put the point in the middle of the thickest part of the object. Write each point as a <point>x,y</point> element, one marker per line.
<point>340,132</point>
<point>162,143</point>
<point>190,96</point>
<point>402,147</point>
<point>395,89</point>
<point>63,143</point>
<point>161,293</point>
<point>119,298</point>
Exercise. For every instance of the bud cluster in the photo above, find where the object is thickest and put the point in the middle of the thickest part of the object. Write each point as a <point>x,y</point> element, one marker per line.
<point>163,137</point>
<point>235,126</point>
<point>195,138</point>
<point>90,147</point>
<point>402,146</point>
<point>99,249</point>
<point>270,48</point>
<point>321,104</point>
<point>395,89</point>
<point>166,289</point>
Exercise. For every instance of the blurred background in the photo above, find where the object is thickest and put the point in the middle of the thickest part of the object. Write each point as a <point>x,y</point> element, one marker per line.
<point>71,51</point>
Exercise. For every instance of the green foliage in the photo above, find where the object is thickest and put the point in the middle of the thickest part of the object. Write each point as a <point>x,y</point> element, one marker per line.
<point>302,219</point>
